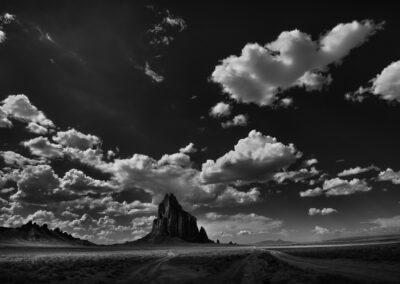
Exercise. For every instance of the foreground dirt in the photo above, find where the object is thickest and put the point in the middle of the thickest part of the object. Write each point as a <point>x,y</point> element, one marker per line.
<point>193,265</point>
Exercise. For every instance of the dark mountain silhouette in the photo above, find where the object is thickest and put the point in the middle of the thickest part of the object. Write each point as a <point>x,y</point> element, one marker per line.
<point>34,234</point>
<point>173,224</point>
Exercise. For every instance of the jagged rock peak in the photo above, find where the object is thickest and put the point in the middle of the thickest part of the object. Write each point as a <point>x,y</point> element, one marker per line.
<point>169,204</point>
<point>174,222</point>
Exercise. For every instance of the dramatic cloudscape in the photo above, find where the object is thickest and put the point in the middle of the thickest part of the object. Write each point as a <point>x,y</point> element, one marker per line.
<point>263,124</point>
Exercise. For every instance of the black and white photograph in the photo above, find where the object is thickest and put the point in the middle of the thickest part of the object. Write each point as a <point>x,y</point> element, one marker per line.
<point>199,142</point>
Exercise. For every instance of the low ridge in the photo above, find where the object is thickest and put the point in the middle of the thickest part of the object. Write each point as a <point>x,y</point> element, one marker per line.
<point>34,234</point>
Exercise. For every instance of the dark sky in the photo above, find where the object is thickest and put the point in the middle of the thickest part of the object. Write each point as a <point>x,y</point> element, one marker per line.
<point>93,67</point>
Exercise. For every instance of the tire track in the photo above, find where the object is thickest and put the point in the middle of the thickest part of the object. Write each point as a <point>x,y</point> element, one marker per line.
<point>148,273</point>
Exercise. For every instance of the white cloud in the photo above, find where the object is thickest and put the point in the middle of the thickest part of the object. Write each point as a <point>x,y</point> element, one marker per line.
<point>356,171</point>
<point>4,121</point>
<point>320,230</point>
<point>213,216</point>
<point>390,222</point>
<point>91,157</point>
<point>389,175</point>
<point>238,120</point>
<point>40,185</point>
<point>310,162</point>
<point>2,36</point>
<point>323,211</point>
<point>78,182</point>
<point>337,186</point>
<point>106,205</point>
<point>172,174</point>
<point>254,158</point>
<point>189,149</point>
<point>7,18</point>
<point>42,147</point>
<point>293,59</point>
<point>245,233</point>
<point>221,109</point>
<point>385,85</point>
<point>36,128</point>
<point>175,22</point>
<point>14,159</point>
<point>20,108</point>
<point>295,176</point>
<point>233,196</point>
<point>41,217</point>
<point>178,159</point>
<point>75,139</point>
<point>152,74</point>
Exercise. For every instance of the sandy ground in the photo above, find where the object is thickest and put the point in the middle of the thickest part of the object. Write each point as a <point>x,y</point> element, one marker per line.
<point>194,265</point>
<point>359,270</point>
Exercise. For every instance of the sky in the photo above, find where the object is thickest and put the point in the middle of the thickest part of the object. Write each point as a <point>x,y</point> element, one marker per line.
<point>267,121</point>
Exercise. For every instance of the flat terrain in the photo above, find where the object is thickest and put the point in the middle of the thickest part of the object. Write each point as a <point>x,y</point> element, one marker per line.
<point>372,263</point>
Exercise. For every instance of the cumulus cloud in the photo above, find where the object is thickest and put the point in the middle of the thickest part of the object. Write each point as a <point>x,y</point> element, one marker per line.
<point>7,18</point>
<point>90,157</point>
<point>42,147</point>
<point>175,22</point>
<point>41,217</point>
<point>389,175</point>
<point>245,233</point>
<point>323,211</point>
<point>254,158</point>
<point>221,109</point>
<point>295,176</point>
<point>231,196</point>
<point>385,85</point>
<point>75,139</point>
<point>40,185</point>
<point>310,162</point>
<point>238,120</point>
<point>293,59</point>
<point>161,177</point>
<point>14,159</point>
<point>387,223</point>
<point>4,121</point>
<point>336,187</point>
<point>20,108</point>
<point>33,127</point>
<point>320,230</point>
<point>189,149</point>
<point>78,182</point>
<point>106,205</point>
<point>2,36</point>
<point>178,159</point>
<point>357,170</point>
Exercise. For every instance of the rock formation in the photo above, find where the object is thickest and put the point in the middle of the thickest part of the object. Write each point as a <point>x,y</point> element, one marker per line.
<point>174,222</point>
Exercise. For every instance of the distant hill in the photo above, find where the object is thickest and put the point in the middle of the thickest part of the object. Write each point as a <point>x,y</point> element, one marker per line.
<point>173,225</point>
<point>32,234</point>
<point>364,239</point>
<point>273,243</point>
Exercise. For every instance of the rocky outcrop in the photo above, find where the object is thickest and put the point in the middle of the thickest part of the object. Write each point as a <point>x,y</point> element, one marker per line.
<point>174,222</point>
<point>34,234</point>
